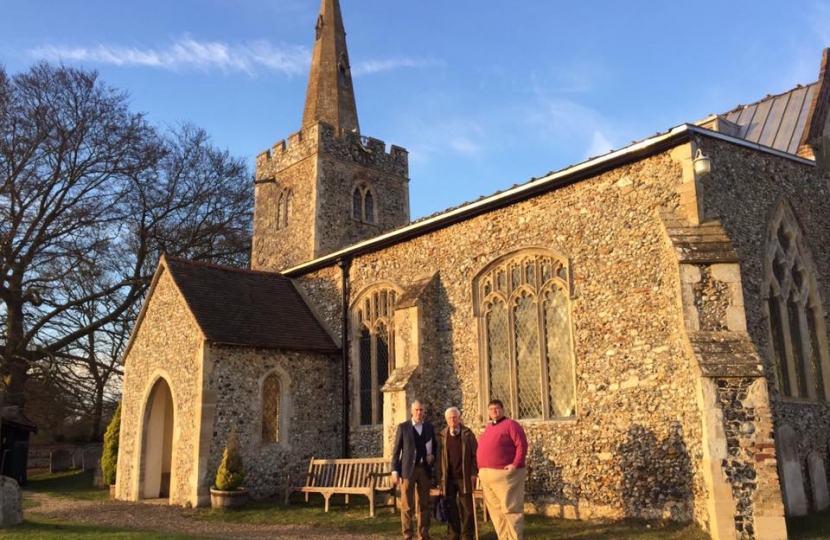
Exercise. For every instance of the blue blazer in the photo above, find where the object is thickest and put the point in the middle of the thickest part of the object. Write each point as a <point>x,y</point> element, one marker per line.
<point>403,453</point>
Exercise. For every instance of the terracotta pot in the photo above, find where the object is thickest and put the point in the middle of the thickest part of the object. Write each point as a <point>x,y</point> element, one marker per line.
<point>228,499</point>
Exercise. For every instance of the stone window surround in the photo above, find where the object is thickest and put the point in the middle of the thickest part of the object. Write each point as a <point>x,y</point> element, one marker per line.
<point>285,406</point>
<point>357,323</point>
<point>784,218</point>
<point>364,191</point>
<point>283,207</point>
<point>479,300</point>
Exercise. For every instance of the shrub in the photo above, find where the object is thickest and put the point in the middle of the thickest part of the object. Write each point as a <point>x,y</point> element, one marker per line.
<point>109,453</point>
<point>231,473</point>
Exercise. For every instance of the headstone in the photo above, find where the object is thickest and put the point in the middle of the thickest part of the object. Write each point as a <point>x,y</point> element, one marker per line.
<point>11,503</point>
<point>98,478</point>
<point>92,456</point>
<point>818,481</point>
<point>795,497</point>
<point>60,461</point>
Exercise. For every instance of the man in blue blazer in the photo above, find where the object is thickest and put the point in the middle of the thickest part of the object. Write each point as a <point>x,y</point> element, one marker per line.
<point>412,460</point>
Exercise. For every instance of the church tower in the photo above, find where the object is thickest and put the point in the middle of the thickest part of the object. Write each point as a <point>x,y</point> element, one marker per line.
<point>326,187</point>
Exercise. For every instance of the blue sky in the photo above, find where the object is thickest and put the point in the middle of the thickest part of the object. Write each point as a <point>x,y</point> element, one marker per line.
<point>483,94</point>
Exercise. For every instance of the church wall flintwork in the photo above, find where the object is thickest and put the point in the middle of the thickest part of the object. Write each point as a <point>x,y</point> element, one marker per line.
<point>172,350</point>
<point>310,426</point>
<point>746,204</point>
<point>607,231</point>
<point>635,444</point>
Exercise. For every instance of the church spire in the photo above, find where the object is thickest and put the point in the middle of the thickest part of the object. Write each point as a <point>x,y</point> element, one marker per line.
<point>330,94</point>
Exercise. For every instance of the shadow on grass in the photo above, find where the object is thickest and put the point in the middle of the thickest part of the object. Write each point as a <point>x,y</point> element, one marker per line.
<point>812,527</point>
<point>75,484</point>
<point>38,528</point>
<point>354,518</point>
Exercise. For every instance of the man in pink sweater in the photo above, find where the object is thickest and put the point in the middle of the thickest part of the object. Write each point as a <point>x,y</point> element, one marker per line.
<point>502,450</point>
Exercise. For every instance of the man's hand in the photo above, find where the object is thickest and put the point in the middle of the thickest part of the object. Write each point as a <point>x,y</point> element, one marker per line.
<point>395,478</point>
<point>510,467</point>
<point>430,459</point>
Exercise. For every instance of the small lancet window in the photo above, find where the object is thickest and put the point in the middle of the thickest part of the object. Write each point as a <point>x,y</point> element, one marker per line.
<point>271,397</point>
<point>363,204</point>
<point>283,206</point>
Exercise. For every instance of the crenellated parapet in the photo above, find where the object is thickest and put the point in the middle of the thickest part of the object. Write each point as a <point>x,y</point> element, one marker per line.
<point>345,146</point>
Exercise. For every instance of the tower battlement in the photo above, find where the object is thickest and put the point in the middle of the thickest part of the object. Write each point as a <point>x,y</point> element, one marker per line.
<point>346,146</point>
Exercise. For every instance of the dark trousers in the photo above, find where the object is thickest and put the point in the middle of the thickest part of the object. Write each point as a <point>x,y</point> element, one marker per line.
<point>460,525</point>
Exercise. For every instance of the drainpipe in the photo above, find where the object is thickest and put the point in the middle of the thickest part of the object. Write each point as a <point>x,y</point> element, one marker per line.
<point>345,264</point>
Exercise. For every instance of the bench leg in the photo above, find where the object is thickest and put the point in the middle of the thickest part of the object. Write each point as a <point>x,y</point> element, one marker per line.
<point>327,501</point>
<point>347,499</point>
<point>371,505</point>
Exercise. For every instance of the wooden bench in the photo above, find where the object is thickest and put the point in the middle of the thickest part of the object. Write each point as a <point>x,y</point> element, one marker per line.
<point>360,476</point>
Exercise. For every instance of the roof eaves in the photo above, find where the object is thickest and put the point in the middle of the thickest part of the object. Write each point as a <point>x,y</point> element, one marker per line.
<point>658,143</point>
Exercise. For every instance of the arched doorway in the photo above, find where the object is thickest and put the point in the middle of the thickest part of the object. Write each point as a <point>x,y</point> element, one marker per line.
<point>157,451</point>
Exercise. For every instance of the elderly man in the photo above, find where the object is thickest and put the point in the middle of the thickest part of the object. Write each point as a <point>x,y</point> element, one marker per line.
<point>502,450</point>
<point>412,459</point>
<point>457,474</point>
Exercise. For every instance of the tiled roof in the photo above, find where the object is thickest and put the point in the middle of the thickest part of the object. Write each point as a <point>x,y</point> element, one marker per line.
<point>244,307</point>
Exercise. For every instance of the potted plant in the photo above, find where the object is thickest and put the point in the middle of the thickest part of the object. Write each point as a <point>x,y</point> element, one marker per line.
<point>228,491</point>
<point>109,452</point>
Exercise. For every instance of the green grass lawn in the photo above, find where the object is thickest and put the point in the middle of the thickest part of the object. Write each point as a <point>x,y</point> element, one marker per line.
<point>354,519</point>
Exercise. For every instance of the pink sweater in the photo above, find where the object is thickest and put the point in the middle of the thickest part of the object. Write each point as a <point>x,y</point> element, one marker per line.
<point>502,444</point>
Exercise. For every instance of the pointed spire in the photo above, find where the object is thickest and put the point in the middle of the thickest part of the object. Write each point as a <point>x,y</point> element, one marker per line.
<point>330,94</point>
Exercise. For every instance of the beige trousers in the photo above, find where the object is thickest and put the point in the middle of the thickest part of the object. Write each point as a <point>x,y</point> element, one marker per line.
<point>504,494</point>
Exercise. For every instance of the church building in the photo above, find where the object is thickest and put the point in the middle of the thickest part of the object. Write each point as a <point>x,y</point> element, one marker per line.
<point>655,318</point>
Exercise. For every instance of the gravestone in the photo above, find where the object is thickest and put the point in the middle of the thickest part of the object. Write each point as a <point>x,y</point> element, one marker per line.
<point>11,503</point>
<point>60,461</point>
<point>818,481</point>
<point>92,456</point>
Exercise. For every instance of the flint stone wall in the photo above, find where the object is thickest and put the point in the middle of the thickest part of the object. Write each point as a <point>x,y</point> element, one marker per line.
<point>322,168</point>
<point>743,191</point>
<point>310,426</point>
<point>634,446</point>
<point>167,345</point>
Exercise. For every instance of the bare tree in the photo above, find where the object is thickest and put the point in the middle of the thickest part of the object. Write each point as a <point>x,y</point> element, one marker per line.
<point>91,196</point>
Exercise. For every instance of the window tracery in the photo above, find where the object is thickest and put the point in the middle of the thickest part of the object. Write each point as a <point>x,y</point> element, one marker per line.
<point>523,307</point>
<point>374,336</point>
<point>795,311</point>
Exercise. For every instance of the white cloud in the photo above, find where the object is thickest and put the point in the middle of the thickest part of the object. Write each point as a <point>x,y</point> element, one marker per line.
<point>599,145</point>
<point>376,66</point>
<point>188,53</point>
<point>431,140</point>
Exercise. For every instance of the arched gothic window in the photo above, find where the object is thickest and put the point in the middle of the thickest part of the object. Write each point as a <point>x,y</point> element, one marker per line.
<point>283,206</point>
<point>524,313</point>
<point>363,204</point>
<point>271,404</point>
<point>796,315</point>
<point>373,316</point>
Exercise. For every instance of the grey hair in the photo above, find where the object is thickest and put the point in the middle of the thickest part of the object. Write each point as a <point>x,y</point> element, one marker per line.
<point>452,409</point>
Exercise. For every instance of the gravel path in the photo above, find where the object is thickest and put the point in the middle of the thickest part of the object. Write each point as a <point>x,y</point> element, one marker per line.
<point>163,518</point>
